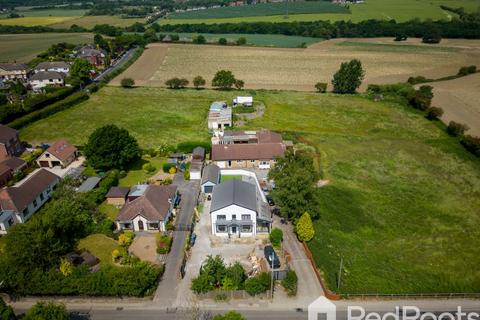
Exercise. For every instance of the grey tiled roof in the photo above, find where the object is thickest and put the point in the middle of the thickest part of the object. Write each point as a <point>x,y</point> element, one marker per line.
<point>235,192</point>
<point>211,173</point>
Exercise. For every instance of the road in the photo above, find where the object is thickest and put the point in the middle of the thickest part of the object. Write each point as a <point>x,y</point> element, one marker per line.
<point>120,62</point>
<point>168,287</point>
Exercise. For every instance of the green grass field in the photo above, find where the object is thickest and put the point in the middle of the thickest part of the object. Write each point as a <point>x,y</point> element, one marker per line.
<point>25,47</point>
<point>402,205</point>
<point>262,9</point>
<point>400,10</point>
<point>90,21</point>
<point>57,12</point>
<point>100,246</point>
<point>136,174</point>
<point>260,40</point>
<point>230,177</point>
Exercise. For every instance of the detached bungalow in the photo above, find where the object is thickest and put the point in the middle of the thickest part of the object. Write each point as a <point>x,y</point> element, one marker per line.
<point>61,153</point>
<point>46,78</point>
<point>19,203</point>
<point>150,211</point>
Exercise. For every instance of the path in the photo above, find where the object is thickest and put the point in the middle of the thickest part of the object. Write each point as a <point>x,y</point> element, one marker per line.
<point>168,287</point>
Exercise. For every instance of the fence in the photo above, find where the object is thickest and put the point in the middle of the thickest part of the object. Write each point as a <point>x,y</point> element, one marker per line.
<point>231,294</point>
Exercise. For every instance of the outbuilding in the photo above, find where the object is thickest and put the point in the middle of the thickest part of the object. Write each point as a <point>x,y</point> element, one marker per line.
<point>244,101</point>
<point>117,196</point>
<point>211,177</point>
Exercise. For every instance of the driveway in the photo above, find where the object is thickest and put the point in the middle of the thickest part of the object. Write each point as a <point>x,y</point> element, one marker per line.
<point>168,286</point>
<point>144,247</point>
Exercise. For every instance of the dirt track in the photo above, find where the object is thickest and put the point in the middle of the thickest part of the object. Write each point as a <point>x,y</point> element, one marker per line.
<point>460,100</point>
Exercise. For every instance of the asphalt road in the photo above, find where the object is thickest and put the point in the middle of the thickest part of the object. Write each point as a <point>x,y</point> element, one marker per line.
<point>168,287</point>
<point>124,59</point>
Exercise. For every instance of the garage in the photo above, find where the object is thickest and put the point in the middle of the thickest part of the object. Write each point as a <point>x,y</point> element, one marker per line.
<point>44,164</point>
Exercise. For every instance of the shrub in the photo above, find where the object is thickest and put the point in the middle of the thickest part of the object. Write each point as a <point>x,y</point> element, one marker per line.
<point>222,41</point>
<point>321,87</point>
<point>116,254</point>
<point>164,243</point>
<point>188,146</point>
<point>44,310</point>
<point>422,98</point>
<point>239,84</point>
<point>418,79</point>
<point>172,170</point>
<point>472,144</point>
<point>6,312</point>
<point>148,167</point>
<point>400,37</point>
<point>66,267</point>
<point>276,237</point>
<point>433,113</point>
<point>242,41</point>
<point>258,284</point>
<point>176,83</point>
<point>199,39</point>
<point>167,166</point>
<point>304,228</point>
<point>467,70</point>
<point>290,283</point>
<point>231,315</point>
<point>456,129</point>
<point>126,238</point>
<point>127,82</point>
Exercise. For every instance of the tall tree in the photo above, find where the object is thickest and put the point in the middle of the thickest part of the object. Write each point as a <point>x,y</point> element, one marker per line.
<point>81,69</point>
<point>223,79</point>
<point>111,147</point>
<point>349,77</point>
<point>295,179</point>
<point>198,82</point>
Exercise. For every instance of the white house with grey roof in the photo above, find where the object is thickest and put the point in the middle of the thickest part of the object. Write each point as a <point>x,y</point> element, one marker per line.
<point>237,210</point>
<point>55,66</point>
<point>46,78</point>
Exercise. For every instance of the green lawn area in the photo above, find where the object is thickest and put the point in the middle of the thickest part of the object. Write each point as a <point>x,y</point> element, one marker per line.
<point>109,210</point>
<point>152,115</point>
<point>136,174</point>
<point>400,10</point>
<point>260,40</point>
<point>100,246</point>
<point>403,205</point>
<point>25,47</point>
<point>232,177</point>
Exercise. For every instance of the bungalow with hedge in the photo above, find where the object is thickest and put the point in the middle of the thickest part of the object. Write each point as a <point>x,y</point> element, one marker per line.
<point>150,211</point>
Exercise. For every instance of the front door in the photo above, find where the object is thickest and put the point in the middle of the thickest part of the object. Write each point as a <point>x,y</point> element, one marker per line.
<point>140,225</point>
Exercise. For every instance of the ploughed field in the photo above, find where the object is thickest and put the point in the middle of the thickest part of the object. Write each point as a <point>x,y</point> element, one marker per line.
<point>299,69</point>
<point>402,206</point>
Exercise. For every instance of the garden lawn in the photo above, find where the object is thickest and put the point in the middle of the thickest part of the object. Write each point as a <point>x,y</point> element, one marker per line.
<point>228,177</point>
<point>136,175</point>
<point>152,115</point>
<point>403,203</point>
<point>100,246</point>
<point>109,210</point>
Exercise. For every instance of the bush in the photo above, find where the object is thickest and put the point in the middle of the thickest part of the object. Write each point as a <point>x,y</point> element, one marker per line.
<point>418,79</point>
<point>321,87</point>
<point>231,315</point>
<point>276,237</point>
<point>304,228</point>
<point>198,82</point>
<point>258,284</point>
<point>188,146</point>
<point>167,166</point>
<point>472,144</point>
<point>242,41</point>
<point>148,167</point>
<point>50,311</point>
<point>433,113</point>
<point>127,82</point>
<point>6,312</point>
<point>126,238</point>
<point>222,41</point>
<point>456,129</point>
<point>199,39</point>
<point>290,283</point>
<point>467,70</point>
<point>164,243</point>
<point>177,83</point>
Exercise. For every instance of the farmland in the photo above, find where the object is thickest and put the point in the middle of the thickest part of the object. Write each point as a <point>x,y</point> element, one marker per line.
<point>90,21</point>
<point>400,10</point>
<point>25,47</point>
<point>262,9</point>
<point>299,69</point>
<point>260,40</point>
<point>42,17</point>
<point>403,201</point>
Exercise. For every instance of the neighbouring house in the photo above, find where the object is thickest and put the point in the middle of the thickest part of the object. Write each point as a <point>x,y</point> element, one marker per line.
<point>61,153</point>
<point>117,196</point>
<point>20,202</point>
<point>150,211</point>
<point>198,154</point>
<point>196,170</point>
<point>46,78</point>
<point>210,178</point>
<point>89,184</point>
<point>236,210</point>
<point>13,71</point>
<point>219,116</point>
<point>10,144</point>
<point>9,167</point>
<point>247,149</point>
<point>244,101</point>
<point>137,191</point>
<point>53,66</point>
<point>96,57</point>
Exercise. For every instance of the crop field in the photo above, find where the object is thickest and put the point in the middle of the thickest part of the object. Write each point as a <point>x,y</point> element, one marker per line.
<point>402,205</point>
<point>25,47</point>
<point>400,10</point>
<point>459,100</point>
<point>262,9</point>
<point>300,69</point>
<point>260,40</point>
<point>90,21</point>
<point>34,21</point>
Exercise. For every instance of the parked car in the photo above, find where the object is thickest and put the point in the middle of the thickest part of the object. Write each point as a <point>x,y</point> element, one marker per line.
<point>271,254</point>
<point>177,201</point>
<point>270,201</point>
